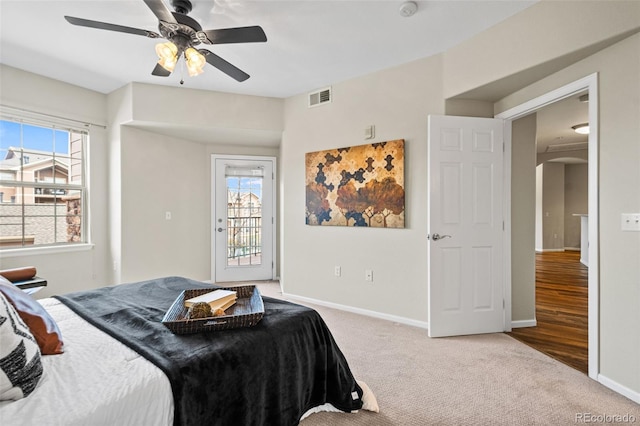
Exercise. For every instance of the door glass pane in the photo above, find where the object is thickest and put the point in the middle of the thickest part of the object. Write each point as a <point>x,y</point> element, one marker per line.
<point>244,220</point>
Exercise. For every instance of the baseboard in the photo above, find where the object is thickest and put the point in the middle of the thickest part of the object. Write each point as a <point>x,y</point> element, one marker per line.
<point>572,249</point>
<point>524,323</point>
<point>549,250</point>
<point>366,312</point>
<point>621,389</point>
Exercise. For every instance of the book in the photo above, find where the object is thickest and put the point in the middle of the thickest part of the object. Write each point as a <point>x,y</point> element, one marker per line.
<point>217,299</point>
<point>226,306</point>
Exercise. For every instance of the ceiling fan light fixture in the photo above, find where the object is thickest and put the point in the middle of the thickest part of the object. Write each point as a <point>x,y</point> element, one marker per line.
<point>168,54</point>
<point>195,61</point>
<point>183,32</point>
<point>582,128</point>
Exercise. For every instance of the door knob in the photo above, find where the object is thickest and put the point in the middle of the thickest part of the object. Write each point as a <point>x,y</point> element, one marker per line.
<point>436,237</point>
<point>221,229</point>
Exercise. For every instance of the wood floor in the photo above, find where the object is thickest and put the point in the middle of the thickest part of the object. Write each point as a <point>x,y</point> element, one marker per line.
<point>561,309</point>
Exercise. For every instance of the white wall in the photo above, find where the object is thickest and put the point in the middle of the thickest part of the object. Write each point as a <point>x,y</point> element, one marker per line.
<point>618,68</point>
<point>523,198</point>
<point>118,111</point>
<point>543,38</point>
<point>162,175</point>
<point>397,101</point>
<point>205,111</point>
<point>539,213</point>
<point>576,199</point>
<point>156,168</point>
<point>552,206</point>
<point>66,271</point>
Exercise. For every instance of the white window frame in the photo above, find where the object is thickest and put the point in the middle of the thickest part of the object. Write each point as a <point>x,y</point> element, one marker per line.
<point>56,123</point>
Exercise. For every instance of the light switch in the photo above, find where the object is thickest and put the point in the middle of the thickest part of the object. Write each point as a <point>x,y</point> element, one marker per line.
<point>631,221</point>
<point>369,132</point>
<point>167,215</point>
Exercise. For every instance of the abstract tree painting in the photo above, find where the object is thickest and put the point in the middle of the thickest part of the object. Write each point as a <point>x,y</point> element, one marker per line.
<point>356,186</point>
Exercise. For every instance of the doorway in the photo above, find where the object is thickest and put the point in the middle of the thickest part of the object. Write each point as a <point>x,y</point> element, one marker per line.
<point>561,290</point>
<point>588,85</point>
<point>243,218</point>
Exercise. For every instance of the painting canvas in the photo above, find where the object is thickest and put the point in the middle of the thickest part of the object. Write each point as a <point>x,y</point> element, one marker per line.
<point>356,186</point>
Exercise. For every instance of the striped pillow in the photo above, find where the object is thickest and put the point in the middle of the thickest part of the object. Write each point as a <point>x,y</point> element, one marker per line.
<point>20,363</point>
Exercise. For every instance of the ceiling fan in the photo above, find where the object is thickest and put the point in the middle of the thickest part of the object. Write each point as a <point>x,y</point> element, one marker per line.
<point>183,33</point>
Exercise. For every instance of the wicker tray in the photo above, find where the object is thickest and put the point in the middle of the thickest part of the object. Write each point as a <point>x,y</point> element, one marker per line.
<point>247,312</point>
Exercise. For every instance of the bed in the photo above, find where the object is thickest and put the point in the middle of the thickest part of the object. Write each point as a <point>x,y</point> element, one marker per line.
<point>122,366</point>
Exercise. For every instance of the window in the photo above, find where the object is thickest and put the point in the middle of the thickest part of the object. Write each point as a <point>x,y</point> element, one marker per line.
<point>42,182</point>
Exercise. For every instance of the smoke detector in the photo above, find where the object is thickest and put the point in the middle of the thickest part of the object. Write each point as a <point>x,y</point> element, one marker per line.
<point>408,8</point>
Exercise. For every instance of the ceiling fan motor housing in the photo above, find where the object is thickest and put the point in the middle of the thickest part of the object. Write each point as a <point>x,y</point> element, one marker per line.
<point>182,33</point>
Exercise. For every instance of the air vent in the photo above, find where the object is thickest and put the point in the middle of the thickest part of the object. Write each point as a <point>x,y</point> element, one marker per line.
<point>568,147</point>
<point>320,97</point>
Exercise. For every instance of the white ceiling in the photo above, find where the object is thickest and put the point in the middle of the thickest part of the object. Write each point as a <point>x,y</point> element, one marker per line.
<point>311,43</point>
<point>555,120</point>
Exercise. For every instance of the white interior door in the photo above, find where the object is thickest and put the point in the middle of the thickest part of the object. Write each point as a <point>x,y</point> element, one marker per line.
<point>243,223</point>
<point>465,225</point>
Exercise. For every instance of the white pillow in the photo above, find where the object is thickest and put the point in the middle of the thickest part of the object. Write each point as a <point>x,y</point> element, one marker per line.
<point>20,363</point>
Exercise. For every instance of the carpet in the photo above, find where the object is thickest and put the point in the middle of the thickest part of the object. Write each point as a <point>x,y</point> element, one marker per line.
<point>489,379</point>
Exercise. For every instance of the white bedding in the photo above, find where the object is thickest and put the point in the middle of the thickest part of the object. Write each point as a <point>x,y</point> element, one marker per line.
<point>100,381</point>
<point>96,381</point>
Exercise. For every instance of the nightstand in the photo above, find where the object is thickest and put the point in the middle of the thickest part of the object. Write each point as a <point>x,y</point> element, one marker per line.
<point>31,286</point>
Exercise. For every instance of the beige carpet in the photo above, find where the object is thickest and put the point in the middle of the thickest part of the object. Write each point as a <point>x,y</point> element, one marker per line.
<point>487,379</point>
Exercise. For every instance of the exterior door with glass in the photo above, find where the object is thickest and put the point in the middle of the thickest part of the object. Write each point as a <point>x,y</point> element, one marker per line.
<point>243,214</point>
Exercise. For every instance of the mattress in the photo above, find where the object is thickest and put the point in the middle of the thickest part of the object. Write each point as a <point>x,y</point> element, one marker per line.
<point>138,393</point>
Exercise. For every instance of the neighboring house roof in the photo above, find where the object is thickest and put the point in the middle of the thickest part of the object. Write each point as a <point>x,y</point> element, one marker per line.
<point>33,154</point>
<point>37,160</point>
<point>245,198</point>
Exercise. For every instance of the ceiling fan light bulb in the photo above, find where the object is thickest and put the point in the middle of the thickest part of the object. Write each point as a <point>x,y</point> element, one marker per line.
<point>166,50</point>
<point>168,55</point>
<point>195,61</point>
<point>168,64</point>
<point>194,71</point>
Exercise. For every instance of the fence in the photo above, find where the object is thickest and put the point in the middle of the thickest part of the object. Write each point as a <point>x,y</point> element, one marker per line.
<point>244,236</point>
<point>44,223</point>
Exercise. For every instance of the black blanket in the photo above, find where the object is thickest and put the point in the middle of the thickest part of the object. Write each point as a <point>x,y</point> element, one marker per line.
<point>269,374</point>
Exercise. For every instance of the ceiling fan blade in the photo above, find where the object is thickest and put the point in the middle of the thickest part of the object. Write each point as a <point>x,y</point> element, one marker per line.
<point>224,66</point>
<point>253,34</point>
<point>161,11</point>
<point>111,27</point>
<point>160,71</point>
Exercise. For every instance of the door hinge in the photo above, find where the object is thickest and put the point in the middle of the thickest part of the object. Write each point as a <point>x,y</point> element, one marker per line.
<point>503,304</point>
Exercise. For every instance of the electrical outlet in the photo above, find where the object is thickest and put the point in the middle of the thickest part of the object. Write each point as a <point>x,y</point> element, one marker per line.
<point>368,275</point>
<point>337,271</point>
<point>630,222</point>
